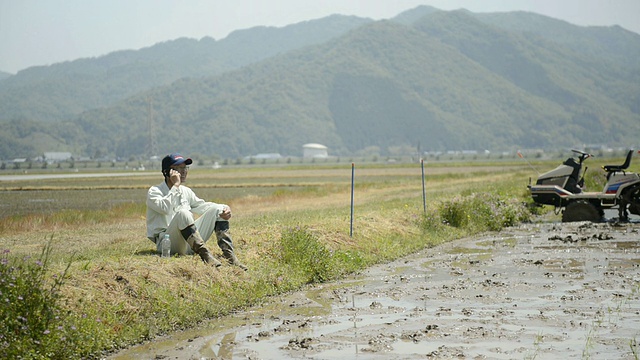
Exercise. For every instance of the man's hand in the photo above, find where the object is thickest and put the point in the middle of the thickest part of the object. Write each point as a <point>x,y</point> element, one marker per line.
<point>174,176</point>
<point>226,213</point>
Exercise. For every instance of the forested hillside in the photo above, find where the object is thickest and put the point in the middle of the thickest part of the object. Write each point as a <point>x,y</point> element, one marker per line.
<point>613,44</point>
<point>430,79</point>
<point>63,91</point>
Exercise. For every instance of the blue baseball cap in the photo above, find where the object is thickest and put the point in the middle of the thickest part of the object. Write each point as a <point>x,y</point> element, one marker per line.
<point>174,159</point>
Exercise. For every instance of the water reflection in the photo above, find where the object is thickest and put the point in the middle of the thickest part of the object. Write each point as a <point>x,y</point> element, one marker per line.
<point>224,347</point>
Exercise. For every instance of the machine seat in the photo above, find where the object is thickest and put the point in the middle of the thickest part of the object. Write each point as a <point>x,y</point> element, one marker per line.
<point>616,168</point>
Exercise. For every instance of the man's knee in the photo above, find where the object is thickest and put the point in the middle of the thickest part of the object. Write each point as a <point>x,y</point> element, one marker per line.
<point>184,213</point>
<point>183,218</point>
<point>188,231</point>
<point>221,226</point>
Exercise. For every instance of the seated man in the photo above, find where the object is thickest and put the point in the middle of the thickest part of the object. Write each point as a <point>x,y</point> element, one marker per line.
<point>170,210</point>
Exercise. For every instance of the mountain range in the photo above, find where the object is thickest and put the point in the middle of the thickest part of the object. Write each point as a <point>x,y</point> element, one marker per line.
<point>427,79</point>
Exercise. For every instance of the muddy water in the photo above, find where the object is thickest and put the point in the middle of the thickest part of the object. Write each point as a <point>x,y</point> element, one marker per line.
<point>544,291</point>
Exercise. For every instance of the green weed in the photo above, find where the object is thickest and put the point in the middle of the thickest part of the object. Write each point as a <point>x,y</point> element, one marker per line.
<point>539,339</point>
<point>32,322</point>
<point>482,212</point>
<point>306,256</point>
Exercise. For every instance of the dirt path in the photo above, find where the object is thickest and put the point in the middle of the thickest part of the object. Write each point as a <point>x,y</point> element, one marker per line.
<point>544,291</point>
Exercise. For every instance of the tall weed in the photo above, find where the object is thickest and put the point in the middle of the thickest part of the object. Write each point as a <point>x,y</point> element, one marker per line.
<point>306,256</point>
<point>32,324</point>
<point>482,212</point>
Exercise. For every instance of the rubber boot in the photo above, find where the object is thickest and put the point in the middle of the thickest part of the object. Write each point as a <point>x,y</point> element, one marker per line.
<point>226,245</point>
<point>198,247</point>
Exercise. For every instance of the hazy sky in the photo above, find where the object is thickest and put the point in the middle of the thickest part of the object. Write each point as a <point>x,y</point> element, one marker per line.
<point>43,32</point>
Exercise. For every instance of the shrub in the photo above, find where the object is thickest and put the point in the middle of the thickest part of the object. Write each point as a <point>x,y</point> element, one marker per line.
<point>305,255</point>
<point>483,211</point>
<point>31,323</point>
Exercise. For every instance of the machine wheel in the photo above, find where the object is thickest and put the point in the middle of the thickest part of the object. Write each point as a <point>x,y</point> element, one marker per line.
<point>634,201</point>
<point>581,210</point>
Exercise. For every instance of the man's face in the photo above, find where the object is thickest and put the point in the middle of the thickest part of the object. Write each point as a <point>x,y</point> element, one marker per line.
<point>183,170</point>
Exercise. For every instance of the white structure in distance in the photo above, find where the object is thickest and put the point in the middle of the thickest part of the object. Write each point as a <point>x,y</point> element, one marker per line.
<point>314,151</point>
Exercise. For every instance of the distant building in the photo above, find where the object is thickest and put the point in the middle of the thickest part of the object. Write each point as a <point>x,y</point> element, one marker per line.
<point>263,156</point>
<point>314,151</point>
<point>268,156</point>
<point>53,157</point>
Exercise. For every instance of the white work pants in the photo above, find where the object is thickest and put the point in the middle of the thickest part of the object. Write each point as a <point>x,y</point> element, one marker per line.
<point>205,225</point>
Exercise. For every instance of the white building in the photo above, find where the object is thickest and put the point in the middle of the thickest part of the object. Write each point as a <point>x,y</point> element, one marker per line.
<point>52,157</point>
<point>268,156</point>
<point>314,151</point>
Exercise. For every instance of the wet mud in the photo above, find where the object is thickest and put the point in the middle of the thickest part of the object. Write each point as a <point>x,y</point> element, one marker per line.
<point>544,291</point>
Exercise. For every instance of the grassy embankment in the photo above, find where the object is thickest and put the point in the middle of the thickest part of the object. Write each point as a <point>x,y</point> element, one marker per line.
<point>100,286</point>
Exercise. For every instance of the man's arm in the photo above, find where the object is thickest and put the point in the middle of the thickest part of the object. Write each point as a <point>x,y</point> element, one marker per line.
<point>199,206</point>
<point>159,202</point>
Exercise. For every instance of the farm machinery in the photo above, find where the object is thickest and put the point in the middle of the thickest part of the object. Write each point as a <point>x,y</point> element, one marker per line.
<point>562,187</point>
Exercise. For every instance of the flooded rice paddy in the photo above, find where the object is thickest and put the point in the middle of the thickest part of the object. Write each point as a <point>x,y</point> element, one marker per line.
<point>543,291</point>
